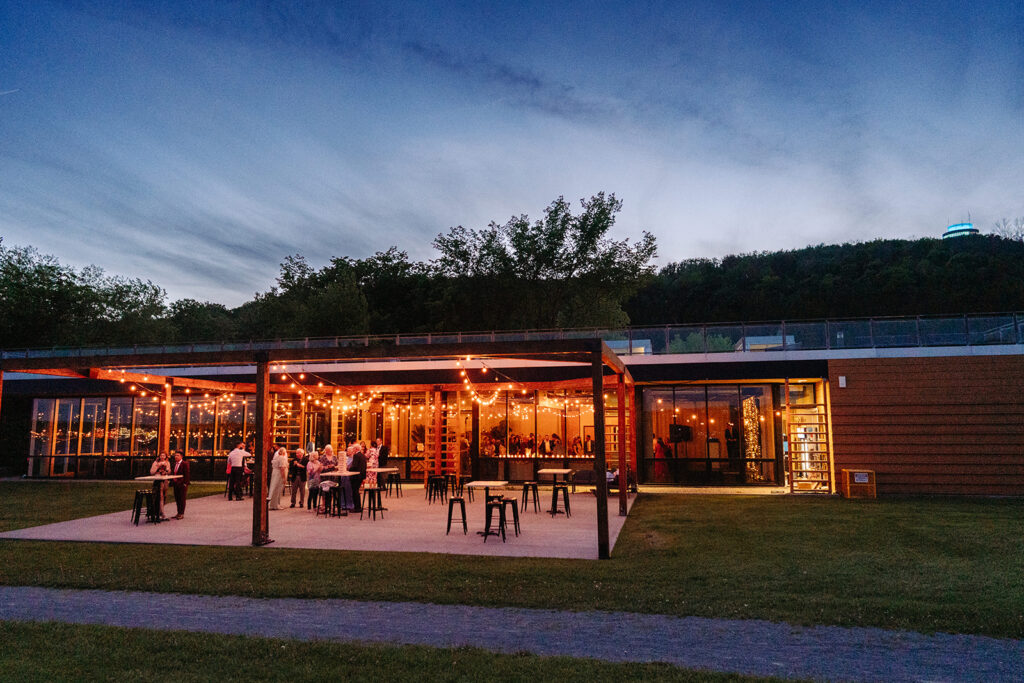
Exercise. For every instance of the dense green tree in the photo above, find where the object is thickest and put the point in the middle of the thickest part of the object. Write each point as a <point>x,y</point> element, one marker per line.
<point>558,271</point>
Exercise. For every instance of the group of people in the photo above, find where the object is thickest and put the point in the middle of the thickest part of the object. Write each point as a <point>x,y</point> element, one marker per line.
<point>518,444</point>
<point>164,465</point>
<point>304,468</point>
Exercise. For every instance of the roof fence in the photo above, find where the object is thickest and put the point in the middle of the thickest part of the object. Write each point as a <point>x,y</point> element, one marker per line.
<point>849,333</point>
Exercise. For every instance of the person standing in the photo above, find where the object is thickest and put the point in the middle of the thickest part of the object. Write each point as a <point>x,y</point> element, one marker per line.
<point>383,450</point>
<point>372,461</point>
<point>278,474</point>
<point>161,466</point>
<point>313,468</point>
<point>358,466</point>
<point>297,476</point>
<point>182,467</point>
<point>236,470</point>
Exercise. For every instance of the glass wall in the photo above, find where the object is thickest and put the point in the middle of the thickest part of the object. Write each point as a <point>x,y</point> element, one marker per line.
<point>713,434</point>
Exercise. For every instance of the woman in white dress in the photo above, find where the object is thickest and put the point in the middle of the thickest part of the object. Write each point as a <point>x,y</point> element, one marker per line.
<point>278,474</point>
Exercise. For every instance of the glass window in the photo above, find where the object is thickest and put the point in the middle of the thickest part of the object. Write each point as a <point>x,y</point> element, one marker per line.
<point>94,425</point>
<point>69,413</point>
<point>551,422</point>
<point>723,441</point>
<point>522,423</point>
<point>179,413</point>
<point>147,427</point>
<point>41,442</point>
<point>396,423</point>
<point>201,421</point>
<point>231,413</point>
<point>119,427</point>
<point>494,427</point>
<point>659,446</point>
<point>759,431</point>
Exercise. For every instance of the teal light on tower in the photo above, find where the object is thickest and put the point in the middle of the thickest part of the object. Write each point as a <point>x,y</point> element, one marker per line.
<point>960,230</point>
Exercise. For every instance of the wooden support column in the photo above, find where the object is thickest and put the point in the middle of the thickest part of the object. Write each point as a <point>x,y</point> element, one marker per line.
<point>620,398</point>
<point>261,450</point>
<point>438,433</point>
<point>597,368</point>
<point>164,437</point>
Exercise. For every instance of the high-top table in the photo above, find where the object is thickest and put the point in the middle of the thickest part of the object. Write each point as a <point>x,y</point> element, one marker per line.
<point>156,513</point>
<point>339,475</point>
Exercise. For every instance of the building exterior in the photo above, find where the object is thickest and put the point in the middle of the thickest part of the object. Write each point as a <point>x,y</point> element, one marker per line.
<point>932,405</point>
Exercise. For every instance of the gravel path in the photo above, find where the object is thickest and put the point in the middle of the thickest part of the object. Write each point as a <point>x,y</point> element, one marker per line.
<point>749,647</point>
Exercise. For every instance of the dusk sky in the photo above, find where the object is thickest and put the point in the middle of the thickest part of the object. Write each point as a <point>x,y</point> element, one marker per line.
<point>199,143</point>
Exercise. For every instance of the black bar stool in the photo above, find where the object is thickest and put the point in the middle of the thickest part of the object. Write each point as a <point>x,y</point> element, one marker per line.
<point>437,488</point>
<point>143,497</point>
<point>372,503</point>
<point>451,507</point>
<point>564,488</point>
<point>394,484</point>
<point>515,511</point>
<point>492,505</point>
<point>528,487</point>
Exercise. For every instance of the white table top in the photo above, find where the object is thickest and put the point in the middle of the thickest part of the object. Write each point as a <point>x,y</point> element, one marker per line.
<point>159,477</point>
<point>386,470</point>
<point>486,484</point>
<point>554,471</point>
<point>338,473</point>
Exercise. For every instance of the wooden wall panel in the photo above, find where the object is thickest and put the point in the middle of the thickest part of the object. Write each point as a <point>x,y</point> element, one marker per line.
<point>951,425</point>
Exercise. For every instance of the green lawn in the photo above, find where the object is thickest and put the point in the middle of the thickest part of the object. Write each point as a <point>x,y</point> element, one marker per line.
<point>31,503</point>
<point>48,652</point>
<point>922,564</point>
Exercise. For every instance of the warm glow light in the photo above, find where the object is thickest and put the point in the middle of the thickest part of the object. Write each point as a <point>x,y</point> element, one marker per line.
<point>302,376</point>
<point>284,377</point>
<point>142,393</point>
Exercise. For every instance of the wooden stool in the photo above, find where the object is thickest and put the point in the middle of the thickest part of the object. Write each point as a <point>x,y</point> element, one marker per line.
<point>451,507</point>
<point>371,498</point>
<point>527,488</point>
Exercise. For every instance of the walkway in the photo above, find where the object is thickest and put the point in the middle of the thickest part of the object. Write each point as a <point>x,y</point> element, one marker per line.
<point>748,647</point>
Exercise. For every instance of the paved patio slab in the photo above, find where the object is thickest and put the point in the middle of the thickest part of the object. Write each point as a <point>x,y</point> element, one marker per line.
<point>408,525</point>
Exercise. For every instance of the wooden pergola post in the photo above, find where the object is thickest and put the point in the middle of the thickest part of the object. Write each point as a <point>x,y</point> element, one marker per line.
<point>597,368</point>
<point>164,438</point>
<point>264,440</point>
<point>620,398</point>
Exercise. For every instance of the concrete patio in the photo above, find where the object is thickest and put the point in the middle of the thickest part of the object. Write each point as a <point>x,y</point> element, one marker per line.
<point>409,524</point>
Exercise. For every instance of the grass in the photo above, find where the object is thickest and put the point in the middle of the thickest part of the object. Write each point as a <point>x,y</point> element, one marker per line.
<point>48,652</point>
<point>921,564</point>
<point>24,504</point>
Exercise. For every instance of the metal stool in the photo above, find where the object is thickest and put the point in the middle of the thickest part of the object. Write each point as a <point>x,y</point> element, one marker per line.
<point>142,497</point>
<point>437,487</point>
<point>394,484</point>
<point>527,488</point>
<point>371,503</point>
<point>564,488</point>
<point>493,505</point>
<point>515,511</point>
<point>451,507</point>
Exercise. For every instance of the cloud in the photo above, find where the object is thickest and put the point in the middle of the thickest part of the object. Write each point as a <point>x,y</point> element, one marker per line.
<point>518,85</point>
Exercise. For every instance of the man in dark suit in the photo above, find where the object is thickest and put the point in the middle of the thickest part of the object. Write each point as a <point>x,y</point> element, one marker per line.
<point>181,467</point>
<point>359,467</point>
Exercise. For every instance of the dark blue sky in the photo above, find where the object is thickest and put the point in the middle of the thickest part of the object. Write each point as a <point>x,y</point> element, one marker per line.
<point>198,143</point>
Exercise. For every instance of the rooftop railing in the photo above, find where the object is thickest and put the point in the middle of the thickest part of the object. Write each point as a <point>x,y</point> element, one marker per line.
<point>847,333</point>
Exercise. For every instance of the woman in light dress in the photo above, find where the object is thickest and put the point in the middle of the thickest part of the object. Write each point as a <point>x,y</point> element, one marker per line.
<point>162,465</point>
<point>278,474</point>
<point>313,480</point>
<point>372,458</point>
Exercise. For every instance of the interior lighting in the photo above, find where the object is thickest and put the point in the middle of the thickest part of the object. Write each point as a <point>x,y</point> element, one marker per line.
<point>302,376</point>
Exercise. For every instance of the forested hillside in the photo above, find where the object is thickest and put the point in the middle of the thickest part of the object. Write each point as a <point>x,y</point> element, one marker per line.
<point>883,277</point>
<point>557,271</point>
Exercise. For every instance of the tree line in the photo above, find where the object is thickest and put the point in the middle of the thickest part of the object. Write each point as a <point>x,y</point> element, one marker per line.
<point>560,270</point>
